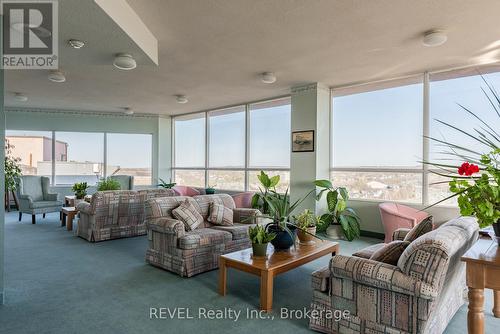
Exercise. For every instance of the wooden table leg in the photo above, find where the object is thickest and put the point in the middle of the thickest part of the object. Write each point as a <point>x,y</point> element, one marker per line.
<point>496,303</point>
<point>475,315</point>
<point>222,276</point>
<point>69,223</point>
<point>63,220</point>
<point>266,290</point>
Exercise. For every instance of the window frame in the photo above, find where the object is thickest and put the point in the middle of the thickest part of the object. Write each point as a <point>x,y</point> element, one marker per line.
<point>246,169</point>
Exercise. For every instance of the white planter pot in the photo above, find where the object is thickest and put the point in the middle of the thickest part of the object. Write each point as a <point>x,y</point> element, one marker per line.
<point>335,232</point>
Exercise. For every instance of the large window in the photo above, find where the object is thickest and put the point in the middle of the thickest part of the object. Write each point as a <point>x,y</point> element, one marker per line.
<point>135,160</point>
<point>377,142</point>
<point>238,145</point>
<point>33,149</point>
<point>81,156</point>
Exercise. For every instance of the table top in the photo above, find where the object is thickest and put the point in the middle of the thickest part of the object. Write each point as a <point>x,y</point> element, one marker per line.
<point>484,251</point>
<point>69,209</point>
<point>275,259</point>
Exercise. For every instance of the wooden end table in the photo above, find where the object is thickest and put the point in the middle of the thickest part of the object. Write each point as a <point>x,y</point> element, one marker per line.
<point>70,200</point>
<point>482,271</point>
<point>68,213</point>
<point>273,264</point>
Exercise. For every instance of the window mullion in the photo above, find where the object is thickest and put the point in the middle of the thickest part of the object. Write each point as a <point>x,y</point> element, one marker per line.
<point>425,138</point>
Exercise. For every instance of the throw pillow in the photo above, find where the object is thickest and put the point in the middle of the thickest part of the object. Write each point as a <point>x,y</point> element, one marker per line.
<point>391,252</point>
<point>420,229</point>
<point>220,215</point>
<point>187,213</point>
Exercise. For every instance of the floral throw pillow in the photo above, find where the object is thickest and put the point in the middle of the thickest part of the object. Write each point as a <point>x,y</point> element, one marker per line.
<point>220,215</point>
<point>188,214</point>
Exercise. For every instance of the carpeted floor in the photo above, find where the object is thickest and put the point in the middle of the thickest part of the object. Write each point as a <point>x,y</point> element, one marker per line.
<point>58,283</point>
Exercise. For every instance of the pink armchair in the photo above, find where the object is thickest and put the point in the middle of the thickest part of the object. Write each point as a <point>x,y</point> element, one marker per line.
<point>395,216</point>
<point>243,200</point>
<point>185,191</point>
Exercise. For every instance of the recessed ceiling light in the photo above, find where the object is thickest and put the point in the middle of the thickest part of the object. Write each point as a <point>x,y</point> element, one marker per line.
<point>124,61</point>
<point>434,38</point>
<point>76,44</point>
<point>20,97</point>
<point>268,77</point>
<point>56,76</point>
<point>181,99</point>
<point>128,111</point>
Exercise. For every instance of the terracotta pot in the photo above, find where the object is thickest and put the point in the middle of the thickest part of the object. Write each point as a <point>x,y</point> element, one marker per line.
<point>305,238</point>
<point>259,249</point>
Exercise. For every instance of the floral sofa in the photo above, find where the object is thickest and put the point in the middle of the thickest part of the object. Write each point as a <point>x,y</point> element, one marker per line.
<point>115,214</point>
<point>409,297</point>
<point>172,248</point>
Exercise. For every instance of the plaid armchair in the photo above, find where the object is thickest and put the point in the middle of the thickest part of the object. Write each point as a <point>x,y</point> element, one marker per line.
<point>408,298</point>
<point>115,214</point>
<point>34,197</point>
<point>172,248</point>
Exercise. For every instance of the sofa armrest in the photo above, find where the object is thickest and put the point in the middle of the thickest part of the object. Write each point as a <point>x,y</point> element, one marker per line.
<point>245,215</point>
<point>84,207</point>
<point>380,275</point>
<point>51,197</point>
<point>25,202</point>
<point>167,226</point>
<point>25,198</point>
<point>400,233</point>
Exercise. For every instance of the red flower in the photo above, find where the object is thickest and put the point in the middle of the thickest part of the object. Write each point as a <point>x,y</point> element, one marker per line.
<point>468,169</point>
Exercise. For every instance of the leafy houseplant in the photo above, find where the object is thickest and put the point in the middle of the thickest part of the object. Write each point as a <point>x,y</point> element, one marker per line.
<point>476,182</point>
<point>338,212</point>
<point>306,225</point>
<point>12,173</point>
<point>210,190</point>
<point>260,238</point>
<point>166,185</point>
<point>268,186</point>
<point>80,189</point>
<point>108,184</point>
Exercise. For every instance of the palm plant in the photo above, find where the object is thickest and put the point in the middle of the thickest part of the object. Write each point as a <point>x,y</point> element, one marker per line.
<point>478,195</point>
<point>338,212</point>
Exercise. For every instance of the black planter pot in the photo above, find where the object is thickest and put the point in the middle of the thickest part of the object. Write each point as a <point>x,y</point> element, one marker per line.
<point>283,240</point>
<point>496,229</point>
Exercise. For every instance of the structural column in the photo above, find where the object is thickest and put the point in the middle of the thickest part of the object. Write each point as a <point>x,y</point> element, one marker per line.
<point>310,111</point>
<point>164,149</point>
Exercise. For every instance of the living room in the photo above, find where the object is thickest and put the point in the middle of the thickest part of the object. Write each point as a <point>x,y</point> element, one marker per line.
<point>250,166</point>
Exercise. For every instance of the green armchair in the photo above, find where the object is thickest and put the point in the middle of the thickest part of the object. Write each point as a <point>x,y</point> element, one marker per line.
<point>34,197</point>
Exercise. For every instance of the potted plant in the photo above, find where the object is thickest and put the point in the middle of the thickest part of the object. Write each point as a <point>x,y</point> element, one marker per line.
<point>339,217</point>
<point>166,185</point>
<point>12,174</point>
<point>210,190</point>
<point>108,184</point>
<point>306,226</point>
<point>260,239</point>
<point>267,185</point>
<point>80,190</point>
<point>476,181</point>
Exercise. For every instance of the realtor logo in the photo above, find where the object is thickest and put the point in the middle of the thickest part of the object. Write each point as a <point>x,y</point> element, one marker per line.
<point>30,34</point>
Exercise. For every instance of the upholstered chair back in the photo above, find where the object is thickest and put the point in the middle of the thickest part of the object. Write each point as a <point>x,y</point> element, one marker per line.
<point>430,257</point>
<point>185,191</point>
<point>35,186</point>
<point>126,181</point>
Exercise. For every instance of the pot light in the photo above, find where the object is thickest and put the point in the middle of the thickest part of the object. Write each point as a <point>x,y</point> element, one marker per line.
<point>268,77</point>
<point>76,44</point>
<point>434,38</point>
<point>125,62</point>
<point>20,97</point>
<point>128,111</point>
<point>181,99</point>
<point>56,76</point>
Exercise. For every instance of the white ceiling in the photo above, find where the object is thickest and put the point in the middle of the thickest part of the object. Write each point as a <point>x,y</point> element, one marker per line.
<point>214,50</point>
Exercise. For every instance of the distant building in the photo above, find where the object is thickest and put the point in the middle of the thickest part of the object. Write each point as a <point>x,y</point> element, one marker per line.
<point>34,149</point>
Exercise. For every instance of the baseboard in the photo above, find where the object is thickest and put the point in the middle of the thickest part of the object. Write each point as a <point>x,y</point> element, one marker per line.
<point>371,234</point>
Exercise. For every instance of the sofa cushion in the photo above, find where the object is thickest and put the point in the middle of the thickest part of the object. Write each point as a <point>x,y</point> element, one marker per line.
<point>320,279</point>
<point>420,229</point>
<point>367,252</point>
<point>187,213</point>
<point>220,215</point>
<point>203,237</point>
<point>391,252</point>
<point>238,231</point>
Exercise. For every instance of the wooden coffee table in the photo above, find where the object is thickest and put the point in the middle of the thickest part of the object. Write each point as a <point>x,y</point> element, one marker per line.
<point>273,264</point>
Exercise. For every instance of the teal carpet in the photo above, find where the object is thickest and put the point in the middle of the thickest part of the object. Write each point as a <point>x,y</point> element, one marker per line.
<point>58,283</point>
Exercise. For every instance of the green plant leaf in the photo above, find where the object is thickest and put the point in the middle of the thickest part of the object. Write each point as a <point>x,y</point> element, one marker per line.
<point>323,183</point>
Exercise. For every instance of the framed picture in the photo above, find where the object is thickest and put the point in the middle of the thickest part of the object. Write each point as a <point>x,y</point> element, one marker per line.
<point>303,141</point>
